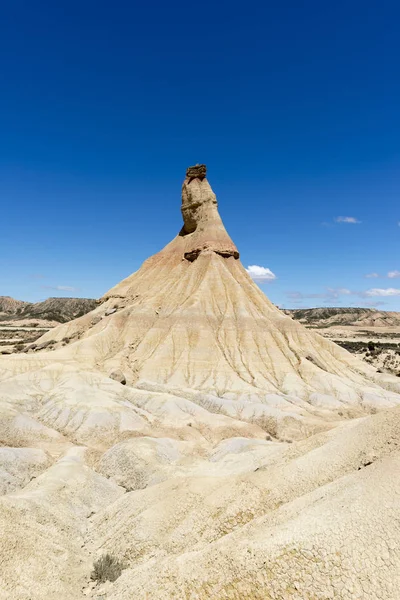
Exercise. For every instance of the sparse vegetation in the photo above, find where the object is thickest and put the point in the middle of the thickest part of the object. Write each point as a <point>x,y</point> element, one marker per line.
<point>106,568</point>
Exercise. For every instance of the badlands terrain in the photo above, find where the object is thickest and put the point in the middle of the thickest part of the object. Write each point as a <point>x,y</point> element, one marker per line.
<point>211,445</point>
<point>370,334</point>
<point>23,322</point>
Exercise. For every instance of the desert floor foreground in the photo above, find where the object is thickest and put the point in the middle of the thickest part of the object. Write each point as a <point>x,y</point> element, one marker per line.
<point>246,457</point>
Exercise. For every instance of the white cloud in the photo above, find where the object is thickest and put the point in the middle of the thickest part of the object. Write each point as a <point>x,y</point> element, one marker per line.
<point>352,220</point>
<point>334,295</point>
<point>339,291</point>
<point>295,295</point>
<point>330,295</point>
<point>375,303</point>
<point>260,274</point>
<point>61,288</point>
<point>66,288</point>
<point>371,275</point>
<point>382,292</point>
<point>393,274</point>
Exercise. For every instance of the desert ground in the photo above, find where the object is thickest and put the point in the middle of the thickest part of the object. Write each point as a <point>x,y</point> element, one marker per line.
<point>184,438</point>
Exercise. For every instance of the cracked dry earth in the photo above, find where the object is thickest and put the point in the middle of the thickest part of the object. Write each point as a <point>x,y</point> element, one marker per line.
<point>245,458</point>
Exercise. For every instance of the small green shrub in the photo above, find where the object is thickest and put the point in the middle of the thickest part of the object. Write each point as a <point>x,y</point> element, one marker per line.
<point>106,568</point>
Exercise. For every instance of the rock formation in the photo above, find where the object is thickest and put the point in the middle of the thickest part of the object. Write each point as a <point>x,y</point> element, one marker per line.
<point>196,172</point>
<point>246,456</point>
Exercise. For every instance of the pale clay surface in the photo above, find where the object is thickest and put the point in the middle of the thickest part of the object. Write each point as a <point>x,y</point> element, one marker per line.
<point>245,458</point>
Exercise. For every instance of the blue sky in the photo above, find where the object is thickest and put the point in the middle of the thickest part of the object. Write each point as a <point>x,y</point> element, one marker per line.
<point>294,107</point>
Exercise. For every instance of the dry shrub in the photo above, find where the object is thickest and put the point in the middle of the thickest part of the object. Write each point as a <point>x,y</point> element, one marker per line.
<point>106,568</point>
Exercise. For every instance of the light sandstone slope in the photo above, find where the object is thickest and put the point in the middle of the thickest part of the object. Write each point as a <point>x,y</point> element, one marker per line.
<point>186,474</point>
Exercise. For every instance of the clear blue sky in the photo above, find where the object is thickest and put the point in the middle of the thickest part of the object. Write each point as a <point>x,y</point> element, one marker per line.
<point>294,107</point>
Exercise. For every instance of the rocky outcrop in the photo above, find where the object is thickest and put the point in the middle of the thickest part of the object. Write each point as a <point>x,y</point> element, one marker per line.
<point>196,172</point>
<point>203,228</point>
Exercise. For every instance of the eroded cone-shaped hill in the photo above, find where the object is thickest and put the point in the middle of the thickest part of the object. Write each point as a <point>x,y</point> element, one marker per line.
<point>186,474</point>
<point>192,318</point>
